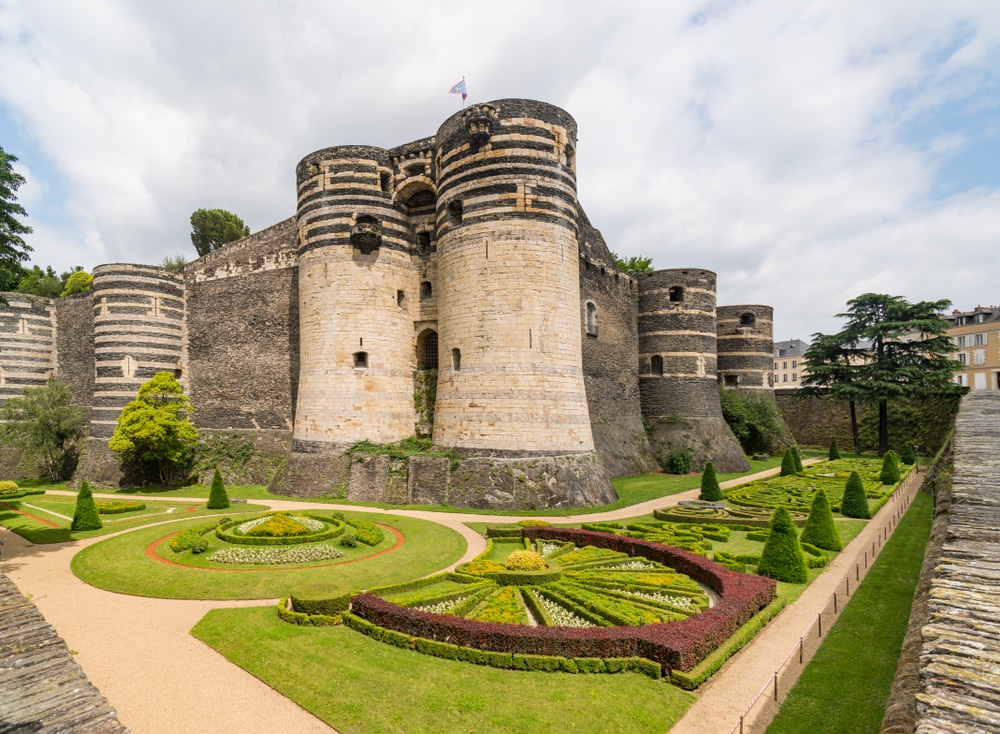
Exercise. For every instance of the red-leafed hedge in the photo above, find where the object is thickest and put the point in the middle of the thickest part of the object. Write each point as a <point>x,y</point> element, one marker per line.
<point>674,645</point>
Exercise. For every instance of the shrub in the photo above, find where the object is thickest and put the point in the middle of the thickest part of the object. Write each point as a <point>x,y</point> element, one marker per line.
<point>533,523</point>
<point>754,419</point>
<point>787,464</point>
<point>890,468</point>
<point>503,531</point>
<point>191,539</point>
<point>348,541</point>
<point>366,532</point>
<point>855,501</point>
<point>909,457</point>
<point>326,599</point>
<point>820,529</point>
<point>8,487</point>
<point>85,517</point>
<point>834,451</point>
<point>710,489</point>
<point>306,620</point>
<point>524,561</point>
<point>797,457</point>
<point>217,497</point>
<point>116,507</point>
<point>678,462</point>
<point>782,557</point>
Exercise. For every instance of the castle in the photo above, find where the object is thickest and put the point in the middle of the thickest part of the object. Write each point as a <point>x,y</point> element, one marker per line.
<point>451,287</point>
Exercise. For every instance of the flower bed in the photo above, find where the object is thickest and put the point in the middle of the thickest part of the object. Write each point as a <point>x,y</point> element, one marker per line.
<point>250,556</point>
<point>279,528</point>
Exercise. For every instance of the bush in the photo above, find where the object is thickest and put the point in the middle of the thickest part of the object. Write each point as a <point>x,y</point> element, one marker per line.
<point>348,541</point>
<point>909,457</point>
<point>524,561</point>
<point>834,451</point>
<point>85,517</point>
<point>797,457</point>
<point>326,599</point>
<point>710,489</point>
<point>8,487</point>
<point>503,531</point>
<point>217,497</point>
<point>855,501</point>
<point>782,557</point>
<point>787,464</point>
<point>754,419</point>
<point>366,532</point>
<point>890,468</point>
<point>533,523</point>
<point>191,539</point>
<point>678,462</point>
<point>820,529</point>
<point>117,507</point>
<point>306,620</point>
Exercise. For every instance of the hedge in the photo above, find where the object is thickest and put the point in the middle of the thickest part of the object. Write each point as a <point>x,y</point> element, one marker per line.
<point>117,507</point>
<point>305,620</point>
<point>317,598</point>
<point>222,533</point>
<point>21,493</point>
<point>503,531</point>
<point>673,645</point>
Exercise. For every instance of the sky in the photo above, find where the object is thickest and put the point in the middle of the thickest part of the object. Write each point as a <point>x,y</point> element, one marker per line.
<point>807,152</point>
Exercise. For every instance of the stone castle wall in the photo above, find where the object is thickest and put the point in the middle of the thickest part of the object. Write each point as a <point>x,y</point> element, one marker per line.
<point>746,346</point>
<point>27,343</point>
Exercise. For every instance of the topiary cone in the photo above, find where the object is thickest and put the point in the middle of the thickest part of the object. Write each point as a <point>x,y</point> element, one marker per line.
<point>908,457</point>
<point>217,497</point>
<point>782,557</point>
<point>820,529</point>
<point>710,489</point>
<point>855,501</point>
<point>85,516</point>
<point>890,468</point>
<point>834,451</point>
<point>788,464</point>
<point>798,459</point>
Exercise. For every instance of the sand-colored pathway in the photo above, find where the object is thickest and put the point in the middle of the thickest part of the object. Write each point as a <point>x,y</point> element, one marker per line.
<point>138,652</point>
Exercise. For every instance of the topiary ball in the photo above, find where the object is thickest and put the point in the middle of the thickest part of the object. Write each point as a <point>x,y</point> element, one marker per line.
<point>348,541</point>
<point>524,561</point>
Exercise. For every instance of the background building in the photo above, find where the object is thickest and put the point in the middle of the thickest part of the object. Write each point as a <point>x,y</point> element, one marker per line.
<point>788,364</point>
<point>976,336</point>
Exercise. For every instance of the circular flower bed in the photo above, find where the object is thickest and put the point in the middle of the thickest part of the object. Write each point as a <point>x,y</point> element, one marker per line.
<point>280,528</point>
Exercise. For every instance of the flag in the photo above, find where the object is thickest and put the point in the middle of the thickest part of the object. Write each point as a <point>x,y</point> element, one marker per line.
<point>460,89</point>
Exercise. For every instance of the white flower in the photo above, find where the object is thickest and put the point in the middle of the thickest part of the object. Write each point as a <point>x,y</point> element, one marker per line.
<point>256,556</point>
<point>562,616</point>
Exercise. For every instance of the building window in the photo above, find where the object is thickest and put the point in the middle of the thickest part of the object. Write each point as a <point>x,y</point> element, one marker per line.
<point>795,377</point>
<point>979,356</point>
<point>456,359</point>
<point>784,377</point>
<point>962,380</point>
<point>401,299</point>
<point>784,365</point>
<point>979,381</point>
<point>591,319</point>
<point>423,242</point>
<point>979,340</point>
<point>962,358</point>
<point>748,319</point>
<point>980,318</point>
<point>732,381</point>
<point>794,364</point>
<point>960,342</point>
<point>676,294</point>
<point>775,365</point>
<point>656,365</point>
<point>427,350</point>
<point>361,360</point>
<point>455,212</point>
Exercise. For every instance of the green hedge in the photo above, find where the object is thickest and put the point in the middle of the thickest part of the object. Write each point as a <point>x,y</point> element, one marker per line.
<point>305,620</point>
<point>504,531</point>
<point>21,493</point>
<point>117,507</point>
<point>708,667</point>
<point>221,533</point>
<point>528,578</point>
<point>504,660</point>
<point>322,599</point>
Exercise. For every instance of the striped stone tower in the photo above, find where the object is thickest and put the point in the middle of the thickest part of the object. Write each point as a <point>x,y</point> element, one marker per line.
<point>746,344</point>
<point>27,344</point>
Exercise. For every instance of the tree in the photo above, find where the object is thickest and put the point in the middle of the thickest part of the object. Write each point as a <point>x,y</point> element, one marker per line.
<point>834,451</point>
<point>895,349</point>
<point>46,426</point>
<point>85,517</point>
<point>820,529</point>
<point>782,557</point>
<point>38,282</point>
<point>635,265</point>
<point>13,249</point>
<point>174,264</point>
<point>710,489</point>
<point>788,464</point>
<point>831,369</point>
<point>217,497</point>
<point>213,228</point>
<point>796,457</point>
<point>908,457</point>
<point>754,419</point>
<point>78,282</point>
<point>155,427</point>
<point>855,501</point>
<point>890,468</point>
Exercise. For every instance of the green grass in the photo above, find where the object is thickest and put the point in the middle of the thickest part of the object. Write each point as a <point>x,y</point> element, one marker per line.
<point>360,686</point>
<point>120,564</point>
<point>845,686</point>
<point>51,507</point>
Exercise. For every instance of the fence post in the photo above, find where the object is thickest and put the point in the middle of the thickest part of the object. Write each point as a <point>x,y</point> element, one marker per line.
<point>800,651</point>
<point>835,602</point>
<point>821,624</point>
<point>848,585</point>
<point>776,685</point>
<point>857,571</point>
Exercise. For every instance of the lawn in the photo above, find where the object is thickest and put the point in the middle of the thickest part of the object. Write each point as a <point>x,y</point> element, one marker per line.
<point>844,688</point>
<point>120,564</point>
<point>360,686</point>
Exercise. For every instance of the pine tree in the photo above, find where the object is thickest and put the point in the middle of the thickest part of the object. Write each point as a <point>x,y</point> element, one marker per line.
<point>710,489</point>
<point>820,529</point>
<point>782,557</point>
<point>217,497</point>
<point>85,517</point>
<point>788,464</point>
<point>890,468</point>
<point>834,450</point>
<point>798,459</point>
<point>909,456</point>
<point>855,501</point>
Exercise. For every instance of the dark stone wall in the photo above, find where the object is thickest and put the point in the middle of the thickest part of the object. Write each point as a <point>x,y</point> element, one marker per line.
<point>746,350</point>
<point>75,346</point>
<point>815,421</point>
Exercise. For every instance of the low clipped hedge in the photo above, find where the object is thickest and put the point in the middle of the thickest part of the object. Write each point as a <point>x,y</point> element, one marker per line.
<point>20,493</point>
<point>528,578</point>
<point>676,645</point>
<point>306,620</point>
<point>117,507</point>
<point>320,599</point>
<point>366,532</point>
<point>222,533</point>
<point>504,660</point>
<point>504,531</point>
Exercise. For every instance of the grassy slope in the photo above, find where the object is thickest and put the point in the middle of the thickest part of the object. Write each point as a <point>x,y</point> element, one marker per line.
<point>844,688</point>
<point>120,564</point>
<point>360,686</point>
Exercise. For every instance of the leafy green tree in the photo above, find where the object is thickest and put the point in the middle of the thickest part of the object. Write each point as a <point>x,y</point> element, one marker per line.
<point>797,457</point>
<point>38,282</point>
<point>217,497</point>
<point>710,489</point>
<point>13,249</point>
<point>855,501</point>
<point>78,282</point>
<point>754,419</point>
<point>890,468</point>
<point>820,529</point>
<point>788,464</point>
<point>213,228</point>
<point>85,516</point>
<point>46,426</point>
<point>635,265</point>
<point>834,451</point>
<point>155,428</point>
<point>782,557</point>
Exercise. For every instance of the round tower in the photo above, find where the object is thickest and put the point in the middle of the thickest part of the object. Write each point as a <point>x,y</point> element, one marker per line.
<point>510,376</point>
<point>746,344</point>
<point>138,331</point>
<point>356,357</point>
<point>677,369</point>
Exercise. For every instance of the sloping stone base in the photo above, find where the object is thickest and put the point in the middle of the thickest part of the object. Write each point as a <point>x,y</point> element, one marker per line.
<point>708,439</point>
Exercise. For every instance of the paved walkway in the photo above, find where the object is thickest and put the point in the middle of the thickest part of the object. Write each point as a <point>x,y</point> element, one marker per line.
<point>138,652</point>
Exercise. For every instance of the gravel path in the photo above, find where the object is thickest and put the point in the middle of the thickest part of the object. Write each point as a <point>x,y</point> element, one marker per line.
<point>138,652</point>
